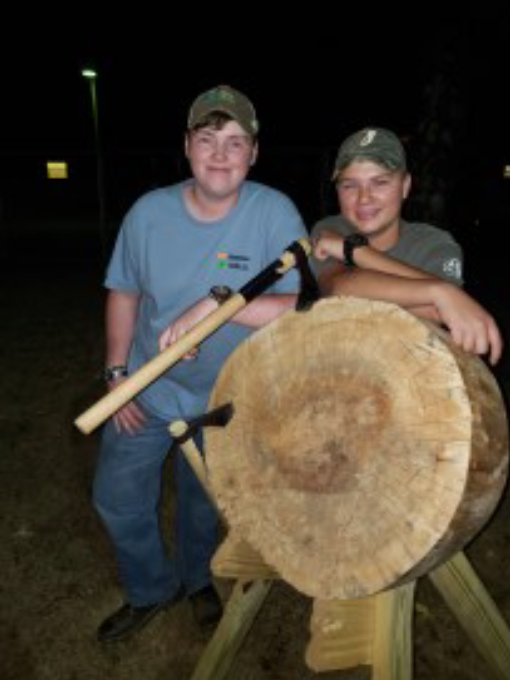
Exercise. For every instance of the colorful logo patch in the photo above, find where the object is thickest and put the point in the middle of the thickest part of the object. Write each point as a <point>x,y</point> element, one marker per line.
<point>228,261</point>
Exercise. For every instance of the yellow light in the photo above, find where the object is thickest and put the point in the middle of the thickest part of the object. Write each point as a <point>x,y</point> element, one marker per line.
<point>89,73</point>
<point>56,170</point>
<point>506,171</point>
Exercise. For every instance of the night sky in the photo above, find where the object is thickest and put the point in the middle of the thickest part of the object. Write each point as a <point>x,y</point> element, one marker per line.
<point>313,80</point>
<point>309,87</point>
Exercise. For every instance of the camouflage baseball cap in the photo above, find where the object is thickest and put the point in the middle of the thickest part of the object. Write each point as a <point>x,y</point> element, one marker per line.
<point>376,144</point>
<point>225,98</point>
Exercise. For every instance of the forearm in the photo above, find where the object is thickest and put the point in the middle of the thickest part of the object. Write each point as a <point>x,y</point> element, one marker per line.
<point>406,292</point>
<point>428,312</point>
<point>369,258</point>
<point>331,245</point>
<point>264,309</point>
<point>121,313</point>
<point>256,314</point>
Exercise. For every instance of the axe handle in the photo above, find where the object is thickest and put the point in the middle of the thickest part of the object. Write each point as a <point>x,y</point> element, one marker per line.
<point>192,454</point>
<point>179,428</point>
<point>135,383</point>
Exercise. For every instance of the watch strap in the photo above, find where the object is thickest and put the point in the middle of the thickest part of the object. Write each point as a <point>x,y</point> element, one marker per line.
<point>351,242</point>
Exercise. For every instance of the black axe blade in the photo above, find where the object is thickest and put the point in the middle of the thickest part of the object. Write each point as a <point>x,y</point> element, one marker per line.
<point>218,417</point>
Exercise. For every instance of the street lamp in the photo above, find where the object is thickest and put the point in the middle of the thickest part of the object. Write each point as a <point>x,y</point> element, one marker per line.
<point>91,76</point>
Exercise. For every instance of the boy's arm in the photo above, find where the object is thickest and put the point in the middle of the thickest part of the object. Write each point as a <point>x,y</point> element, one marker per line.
<point>121,314</point>
<point>425,295</point>
<point>412,293</point>
<point>331,245</point>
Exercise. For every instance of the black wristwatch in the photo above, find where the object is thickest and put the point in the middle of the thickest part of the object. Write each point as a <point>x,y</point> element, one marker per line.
<point>221,293</point>
<point>111,373</point>
<point>351,242</point>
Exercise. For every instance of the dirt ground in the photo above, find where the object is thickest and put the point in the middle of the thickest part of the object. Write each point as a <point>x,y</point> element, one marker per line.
<point>58,575</point>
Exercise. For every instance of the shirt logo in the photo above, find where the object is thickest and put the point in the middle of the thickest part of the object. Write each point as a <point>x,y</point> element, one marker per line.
<point>453,268</point>
<point>229,261</point>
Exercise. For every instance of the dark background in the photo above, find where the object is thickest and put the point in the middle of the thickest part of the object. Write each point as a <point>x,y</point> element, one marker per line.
<point>435,75</point>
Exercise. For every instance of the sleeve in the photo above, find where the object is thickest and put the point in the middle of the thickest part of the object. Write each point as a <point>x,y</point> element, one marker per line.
<point>445,260</point>
<point>123,271</point>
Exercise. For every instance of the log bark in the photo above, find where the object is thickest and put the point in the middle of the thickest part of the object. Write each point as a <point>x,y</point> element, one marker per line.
<point>365,448</point>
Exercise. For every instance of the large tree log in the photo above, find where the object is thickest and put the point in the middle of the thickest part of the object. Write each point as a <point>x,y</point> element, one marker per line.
<point>364,450</point>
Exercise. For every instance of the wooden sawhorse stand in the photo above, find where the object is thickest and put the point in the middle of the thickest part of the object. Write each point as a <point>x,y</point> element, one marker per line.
<point>374,631</point>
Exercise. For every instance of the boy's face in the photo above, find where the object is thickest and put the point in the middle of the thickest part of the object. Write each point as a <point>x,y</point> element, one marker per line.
<point>370,197</point>
<point>220,159</point>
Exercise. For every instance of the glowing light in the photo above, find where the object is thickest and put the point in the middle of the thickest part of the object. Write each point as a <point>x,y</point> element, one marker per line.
<point>56,169</point>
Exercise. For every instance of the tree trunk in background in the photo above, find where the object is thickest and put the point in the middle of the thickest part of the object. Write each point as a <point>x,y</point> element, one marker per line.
<point>437,151</point>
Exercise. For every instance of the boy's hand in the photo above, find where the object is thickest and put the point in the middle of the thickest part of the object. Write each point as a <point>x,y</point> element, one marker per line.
<point>328,244</point>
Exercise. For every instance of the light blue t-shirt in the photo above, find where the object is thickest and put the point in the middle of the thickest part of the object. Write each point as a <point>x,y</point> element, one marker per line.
<point>172,260</point>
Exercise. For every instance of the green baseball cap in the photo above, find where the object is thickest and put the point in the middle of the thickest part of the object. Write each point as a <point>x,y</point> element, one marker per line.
<point>224,98</point>
<point>372,143</point>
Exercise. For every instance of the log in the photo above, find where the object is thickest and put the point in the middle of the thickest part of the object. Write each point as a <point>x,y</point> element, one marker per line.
<point>365,448</point>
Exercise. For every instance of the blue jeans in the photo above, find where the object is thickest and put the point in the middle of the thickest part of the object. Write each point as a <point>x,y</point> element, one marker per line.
<point>127,492</point>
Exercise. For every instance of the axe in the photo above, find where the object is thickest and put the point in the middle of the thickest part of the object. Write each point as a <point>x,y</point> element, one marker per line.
<point>295,255</point>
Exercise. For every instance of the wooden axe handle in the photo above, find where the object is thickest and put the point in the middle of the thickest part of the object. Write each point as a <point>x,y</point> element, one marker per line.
<point>135,383</point>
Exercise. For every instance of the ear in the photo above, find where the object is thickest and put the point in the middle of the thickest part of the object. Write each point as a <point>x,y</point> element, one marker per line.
<point>186,144</point>
<point>406,186</point>
<point>254,154</point>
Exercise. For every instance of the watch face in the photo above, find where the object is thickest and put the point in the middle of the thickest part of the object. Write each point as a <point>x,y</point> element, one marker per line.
<point>221,293</point>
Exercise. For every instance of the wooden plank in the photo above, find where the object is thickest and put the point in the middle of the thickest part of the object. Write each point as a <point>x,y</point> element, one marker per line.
<point>476,612</point>
<point>392,655</point>
<point>240,612</point>
<point>342,634</point>
<point>235,558</point>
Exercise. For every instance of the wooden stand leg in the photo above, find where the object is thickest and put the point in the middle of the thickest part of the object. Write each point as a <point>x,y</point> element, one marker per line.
<point>240,612</point>
<point>475,611</point>
<point>392,657</point>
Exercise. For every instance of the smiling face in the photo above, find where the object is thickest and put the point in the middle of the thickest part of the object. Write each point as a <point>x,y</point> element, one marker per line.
<point>220,159</point>
<point>370,197</point>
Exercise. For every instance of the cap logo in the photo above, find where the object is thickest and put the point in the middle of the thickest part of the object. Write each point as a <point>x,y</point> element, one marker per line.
<point>368,138</point>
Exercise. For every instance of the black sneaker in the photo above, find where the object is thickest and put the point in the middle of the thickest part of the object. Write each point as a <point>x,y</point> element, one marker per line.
<point>128,619</point>
<point>207,606</point>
